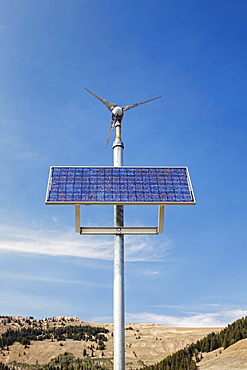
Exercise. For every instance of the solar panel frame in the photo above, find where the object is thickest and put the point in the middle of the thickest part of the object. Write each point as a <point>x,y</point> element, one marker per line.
<point>119,185</point>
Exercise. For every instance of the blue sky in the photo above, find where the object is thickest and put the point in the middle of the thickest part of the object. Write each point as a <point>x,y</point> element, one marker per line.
<point>194,54</point>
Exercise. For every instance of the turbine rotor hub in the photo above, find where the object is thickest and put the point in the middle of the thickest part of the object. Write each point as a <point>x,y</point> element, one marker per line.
<point>117,111</point>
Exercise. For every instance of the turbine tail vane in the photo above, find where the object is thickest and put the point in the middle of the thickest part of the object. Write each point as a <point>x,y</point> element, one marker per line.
<point>127,107</point>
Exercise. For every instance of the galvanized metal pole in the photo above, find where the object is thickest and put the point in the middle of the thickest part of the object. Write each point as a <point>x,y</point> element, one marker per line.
<point>118,294</point>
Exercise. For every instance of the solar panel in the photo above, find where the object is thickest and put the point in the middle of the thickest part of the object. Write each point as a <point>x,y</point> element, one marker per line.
<point>119,185</point>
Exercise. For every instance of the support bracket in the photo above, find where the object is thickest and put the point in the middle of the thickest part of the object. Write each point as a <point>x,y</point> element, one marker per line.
<point>124,230</point>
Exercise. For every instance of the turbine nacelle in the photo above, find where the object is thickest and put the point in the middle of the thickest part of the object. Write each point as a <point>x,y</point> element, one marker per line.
<point>117,112</point>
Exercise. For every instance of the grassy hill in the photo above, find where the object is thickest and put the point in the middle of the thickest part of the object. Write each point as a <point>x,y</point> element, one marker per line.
<point>189,357</point>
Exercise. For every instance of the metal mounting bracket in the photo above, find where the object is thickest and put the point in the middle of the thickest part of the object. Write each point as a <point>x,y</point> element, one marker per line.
<point>125,230</point>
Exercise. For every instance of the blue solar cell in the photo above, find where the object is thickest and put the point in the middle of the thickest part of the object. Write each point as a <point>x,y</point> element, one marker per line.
<point>77,197</point>
<point>162,188</point>
<point>154,188</point>
<point>116,188</point>
<point>71,171</point>
<point>122,171</point>
<point>93,179</point>
<point>93,188</point>
<point>131,187</point>
<point>108,172</point>
<point>83,196</point>
<point>100,195</point>
<point>171,197</point>
<point>146,188</point>
<point>132,197</point>
<point>139,187</point>
<point>108,187</point>
<point>138,179</point>
<point>155,197</point>
<point>108,197</point>
<point>92,197</point>
<point>78,180</point>
<point>116,196</point>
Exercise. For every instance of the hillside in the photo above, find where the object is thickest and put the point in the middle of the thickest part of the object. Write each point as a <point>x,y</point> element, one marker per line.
<point>146,344</point>
<point>234,357</point>
<point>208,348</point>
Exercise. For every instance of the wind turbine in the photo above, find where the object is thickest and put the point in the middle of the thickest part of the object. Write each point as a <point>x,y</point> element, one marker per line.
<point>117,112</point>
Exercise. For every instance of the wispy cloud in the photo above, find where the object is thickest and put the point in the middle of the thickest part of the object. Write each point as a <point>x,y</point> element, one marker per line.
<point>210,319</point>
<point>191,308</point>
<point>146,248</point>
<point>53,242</point>
<point>68,243</point>
<point>147,272</point>
<point>52,280</point>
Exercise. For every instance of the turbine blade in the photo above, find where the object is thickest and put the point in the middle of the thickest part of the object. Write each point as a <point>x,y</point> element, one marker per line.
<point>110,130</point>
<point>109,105</point>
<point>127,107</point>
